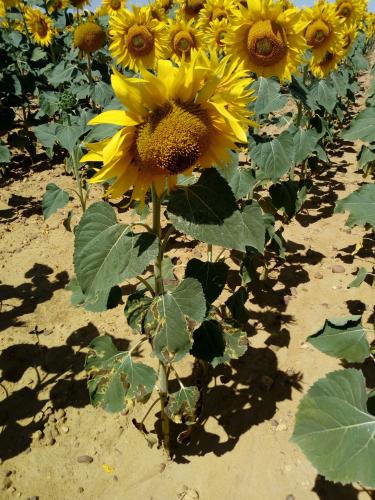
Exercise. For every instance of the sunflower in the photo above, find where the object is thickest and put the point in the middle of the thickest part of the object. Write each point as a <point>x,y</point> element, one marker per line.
<point>180,118</point>
<point>215,34</point>
<point>79,4</point>
<point>57,5</point>
<point>267,39</point>
<point>138,40</point>
<point>322,67</point>
<point>184,37</point>
<point>189,9</point>
<point>88,37</point>
<point>158,11</point>
<point>113,7</point>
<point>166,4</point>
<point>39,26</point>
<point>324,31</point>
<point>350,32</point>
<point>351,11</point>
<point>215,9</point>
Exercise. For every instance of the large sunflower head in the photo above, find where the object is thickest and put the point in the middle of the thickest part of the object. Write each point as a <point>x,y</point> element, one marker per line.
<point>215,9</point>
<point>267,39</point>
<point>137,39</point>
<point>175,120</point>
<point>184,38</point>
<point>89,37</point>
<point>322,67</point>
<point>351,11</point>
<point>324,30</point>
<point>216,33</point>
<point>39,26</point>
<point>113,7</point>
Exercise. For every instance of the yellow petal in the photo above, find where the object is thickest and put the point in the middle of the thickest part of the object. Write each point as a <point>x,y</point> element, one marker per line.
<point>114,117</point>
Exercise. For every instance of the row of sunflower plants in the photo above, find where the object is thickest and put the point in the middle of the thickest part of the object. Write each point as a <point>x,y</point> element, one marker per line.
<point>178,134</point>
<point>335,422</point>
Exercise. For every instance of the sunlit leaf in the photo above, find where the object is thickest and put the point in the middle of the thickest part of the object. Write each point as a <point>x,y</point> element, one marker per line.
<point>53,199</point>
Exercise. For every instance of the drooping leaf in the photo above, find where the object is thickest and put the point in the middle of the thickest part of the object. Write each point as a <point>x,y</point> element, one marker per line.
<point>361,205</point>
<point>106,252</point>
<point>106,299</point>
<point>288,195</point>
<point>53,199</point>
<point>218,343</point>
<point>207,211</point>
<point>115,379</point>
<point>211,275</point>
<point>359,279</point>
<point>182,404</point>
<point>236,305</point>
<point>366,157</point>
<point>136,309</point>
<point>268,96</point>
<point>274,157</point>
<point>171,340</point>
<point>334,429</point>
<point>362,127</point>
<point>342,338</point>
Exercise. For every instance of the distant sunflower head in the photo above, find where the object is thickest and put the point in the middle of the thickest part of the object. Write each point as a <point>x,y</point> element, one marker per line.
<point>113,7</point>
<point>215,10</point>
<point>177,119</point>
<point>158,11</point>
<point>57,5</point>
<point>324,30</point>
<point>189,9</point>
<point>137,39</point>
<point>184,38</point>
<point>89,37</point>
<point>39,26</point>
<point>322,67</point>
<point>351,11</point>
<point>350,32</point>
<point>79,4</point>
<point>267,39</point>
<point>166,4</point>
<point>216,33</point>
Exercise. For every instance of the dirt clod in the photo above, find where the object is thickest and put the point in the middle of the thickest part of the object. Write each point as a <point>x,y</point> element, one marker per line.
<point>85,459</point>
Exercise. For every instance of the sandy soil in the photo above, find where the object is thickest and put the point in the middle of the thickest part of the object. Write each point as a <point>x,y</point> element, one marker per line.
<point>54,445</point>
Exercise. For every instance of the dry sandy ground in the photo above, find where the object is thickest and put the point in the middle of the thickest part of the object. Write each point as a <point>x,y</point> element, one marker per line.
<point>244,450</point>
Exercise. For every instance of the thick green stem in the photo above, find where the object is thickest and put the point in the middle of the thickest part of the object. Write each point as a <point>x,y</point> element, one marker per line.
<point>77,175</point>
<point>89,69</point>
<point>158,274</point>
<point>209,252</point>
<point>299,113</point>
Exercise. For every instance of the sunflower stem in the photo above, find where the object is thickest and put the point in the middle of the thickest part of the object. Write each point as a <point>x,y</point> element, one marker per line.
<point>158,274</point>
<point>89,69</point>
<point>209,252</point>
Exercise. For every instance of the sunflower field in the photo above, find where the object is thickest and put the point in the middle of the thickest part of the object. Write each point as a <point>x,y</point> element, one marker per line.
<point>178,156</point>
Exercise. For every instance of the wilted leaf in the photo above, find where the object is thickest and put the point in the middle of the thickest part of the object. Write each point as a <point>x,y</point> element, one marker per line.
<point>115,380</point>
<point>182,404</point>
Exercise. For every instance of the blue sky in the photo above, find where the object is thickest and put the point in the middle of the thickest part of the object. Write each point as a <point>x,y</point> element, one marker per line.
<point>299,3</point>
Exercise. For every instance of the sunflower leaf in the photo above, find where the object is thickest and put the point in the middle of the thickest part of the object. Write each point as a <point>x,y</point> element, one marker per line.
<point>361,206</point>
<point>362,127</point>
<point>334,429</point>
<point>53,199</point>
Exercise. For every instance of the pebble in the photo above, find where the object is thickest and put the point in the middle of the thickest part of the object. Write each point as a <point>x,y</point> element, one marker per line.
<point>281,427</point>
<point>115,478</point>
<point>64,428</point>
<point>337,268</point>
<point>60,414</point>
<point>85,459</point>
<point>290,497</point>
<point>293,291</point>
<point>50,441</point>
<point>318,276</point>
<point>274,422</point>
<point>80,489</point>
<point>37,436</point>
<point>35,497</point>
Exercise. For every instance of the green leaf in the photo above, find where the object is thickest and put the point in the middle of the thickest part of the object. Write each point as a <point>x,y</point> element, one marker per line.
<point>304,143</point>
<point>322,94</point>
<point>172,341</point>
<point>68,136</point>
<point>362,127</point>
<point>49,103</point>
<point>361,205</point>
<point>342,338</point>
<point>340,81</point>
<point>359,279</point>
<point>182,404</point>
<point>136,309</point>
<point>53,199</point>
<point>103,301</point>
<point>101,93</point>
<point>62,73</point>
<point>106,252</point>
<point>211,275</point>
<point>218,343</point>
<point>240,179</point>
<point>268,96</point>
<point>208,212</point>
<point>46,134</point>
<point>38,54</point>
<point>274,158</point>
<point>115,380</point>
<point>236,305</point>
<point>335,431</point>
<point>4,154</point>
<point>366,156</point>
<point>287,195</point>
